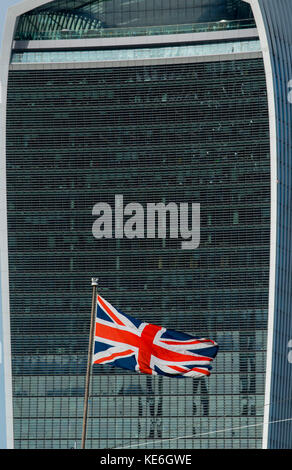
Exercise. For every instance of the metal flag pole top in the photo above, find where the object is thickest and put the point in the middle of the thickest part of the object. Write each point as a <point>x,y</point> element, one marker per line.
<point>94,283</point>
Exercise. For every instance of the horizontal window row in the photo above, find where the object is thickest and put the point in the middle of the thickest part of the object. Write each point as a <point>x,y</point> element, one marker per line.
<point>226,362</point>
<point>135,54</point>
<point>246,71</point>
<point>74,302</point>
<point>247,76</point>
<point>250,148</point>
<point>229,281</point>
<point>224,86</point>
<point>243,339</point>
<point>181,443</point>
<point>146,188</point>
<point>153,128</point>
<point>169,102</point>
<point>72,203</point>
<point>217,225</point>
<point>188,122</point>
<point>227,264</point>
<point>139,98</point>
<point>93,84</point>
<point>42,160</point>
<point>215,165</point>
<point>185,301</point>
<point>182,269</point>
<point>139,108</point>
<point>168,175</point>
<point>209,321</point>
<point>142,407</point>
<point>101,142</point>
<point>120,428</point>
<point>51,243</point>
<point>143,281</point>
<point>93,138</point>
<point>55,160</point>
<point>62,388</point>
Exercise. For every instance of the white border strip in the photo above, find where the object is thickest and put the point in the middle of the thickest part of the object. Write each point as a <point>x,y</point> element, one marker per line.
<point>273,230</point>
<point>7,42</point>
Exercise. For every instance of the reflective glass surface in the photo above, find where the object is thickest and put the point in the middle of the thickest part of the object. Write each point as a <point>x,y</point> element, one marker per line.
<point>65,19</point>
<point>195,132</point>
<point>132,54</point>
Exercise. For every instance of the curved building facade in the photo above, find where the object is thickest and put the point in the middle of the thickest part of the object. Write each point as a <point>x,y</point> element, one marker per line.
<point>146,102</point>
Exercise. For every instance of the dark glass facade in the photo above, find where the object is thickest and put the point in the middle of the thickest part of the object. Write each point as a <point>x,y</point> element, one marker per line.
<point>188,132</point>
<point>63,19</point>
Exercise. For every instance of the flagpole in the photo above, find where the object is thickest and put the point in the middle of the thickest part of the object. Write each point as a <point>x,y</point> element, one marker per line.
<point>94,283</point>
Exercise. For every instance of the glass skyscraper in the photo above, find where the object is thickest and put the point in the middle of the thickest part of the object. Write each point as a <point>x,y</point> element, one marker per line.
<point>158,101</point>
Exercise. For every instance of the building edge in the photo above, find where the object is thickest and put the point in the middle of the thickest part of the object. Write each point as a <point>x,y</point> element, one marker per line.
<point>11,20</point>
<point>273,229</point>
<point>274,26</point>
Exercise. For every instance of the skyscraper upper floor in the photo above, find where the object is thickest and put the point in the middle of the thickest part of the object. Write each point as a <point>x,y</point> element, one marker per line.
<point>76,19</point>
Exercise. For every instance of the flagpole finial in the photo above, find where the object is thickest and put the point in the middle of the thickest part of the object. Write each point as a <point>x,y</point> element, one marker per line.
<point>94,281</point>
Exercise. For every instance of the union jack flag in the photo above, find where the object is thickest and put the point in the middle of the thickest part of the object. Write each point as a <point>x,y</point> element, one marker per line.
<point>126,342</point>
